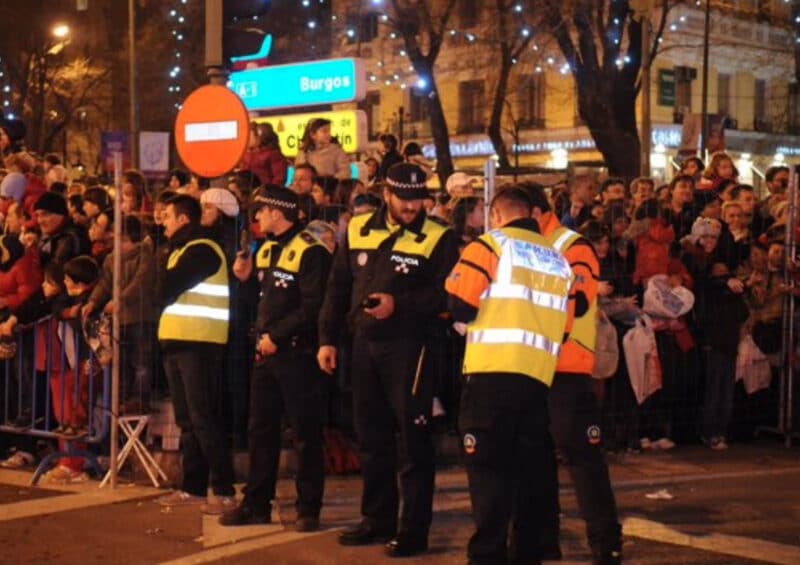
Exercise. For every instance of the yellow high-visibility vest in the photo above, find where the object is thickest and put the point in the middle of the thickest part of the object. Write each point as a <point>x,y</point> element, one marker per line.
<point>584,328</point>
<point>200,313</point>
<point>291,256</point>
<point>523,313</point>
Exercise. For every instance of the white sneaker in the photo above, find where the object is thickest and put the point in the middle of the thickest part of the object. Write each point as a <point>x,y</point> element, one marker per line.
<point>218,505</point>
<point>180,498</point>
<point>645,443</point>
<point>664,443</point>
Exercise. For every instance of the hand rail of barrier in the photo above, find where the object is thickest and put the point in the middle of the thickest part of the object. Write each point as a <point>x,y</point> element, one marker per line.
<point>69,412</point>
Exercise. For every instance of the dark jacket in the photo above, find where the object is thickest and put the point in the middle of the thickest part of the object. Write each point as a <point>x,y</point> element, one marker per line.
<point>415,282</point>
<point>391,158</point>
<point>290,301</point>
<point>69,242</point>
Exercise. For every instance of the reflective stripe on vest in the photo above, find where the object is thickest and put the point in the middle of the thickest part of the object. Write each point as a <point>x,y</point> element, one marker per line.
<point>201,313</point>
<point>545,299</point>
<point>584,330</point>
<point>504,335</point>
<point>522,315</point>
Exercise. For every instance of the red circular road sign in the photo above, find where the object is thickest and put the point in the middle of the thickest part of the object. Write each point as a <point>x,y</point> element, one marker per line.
<point>211,131</point>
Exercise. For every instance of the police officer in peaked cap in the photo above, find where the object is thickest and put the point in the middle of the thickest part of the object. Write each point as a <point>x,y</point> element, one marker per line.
<point>387,282</point>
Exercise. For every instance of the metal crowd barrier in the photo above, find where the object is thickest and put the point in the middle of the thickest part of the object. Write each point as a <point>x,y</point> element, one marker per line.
<point>53,404</point>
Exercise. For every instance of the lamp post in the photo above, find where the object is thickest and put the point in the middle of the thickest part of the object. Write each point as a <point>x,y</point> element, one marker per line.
<point>134,101</point>
<point>61,32</point>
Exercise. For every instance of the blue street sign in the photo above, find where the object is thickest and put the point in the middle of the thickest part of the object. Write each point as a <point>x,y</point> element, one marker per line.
<point>262,53</point>
<point>304,84</point>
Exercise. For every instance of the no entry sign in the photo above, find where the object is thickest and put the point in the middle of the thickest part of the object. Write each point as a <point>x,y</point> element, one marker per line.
<point>211,131</point>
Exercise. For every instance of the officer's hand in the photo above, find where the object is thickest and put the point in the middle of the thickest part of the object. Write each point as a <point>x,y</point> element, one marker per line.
<point>266,346</point>
<point>384,309</point>
<point>242,266</point>
<point>326,357</point>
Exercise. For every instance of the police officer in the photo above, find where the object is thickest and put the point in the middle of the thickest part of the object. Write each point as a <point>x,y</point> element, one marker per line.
<point>511,288</point>
<point>387,281</point>
<point>192,332</point>
<point>574,414</point>
<point>292,267</point>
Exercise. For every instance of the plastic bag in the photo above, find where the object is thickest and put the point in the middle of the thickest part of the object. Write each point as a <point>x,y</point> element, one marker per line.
<point>752,366</point>
<point>606,349</point>
<point>664,301</point>
<point>641,358</point>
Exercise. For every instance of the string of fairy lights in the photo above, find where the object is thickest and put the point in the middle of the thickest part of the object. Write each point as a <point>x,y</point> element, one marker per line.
<point>5,91</point>
<point>396,69</point>
<point>177,16</point>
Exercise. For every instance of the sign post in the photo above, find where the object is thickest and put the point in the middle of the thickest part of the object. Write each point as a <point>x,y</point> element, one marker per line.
<point>211,131</point>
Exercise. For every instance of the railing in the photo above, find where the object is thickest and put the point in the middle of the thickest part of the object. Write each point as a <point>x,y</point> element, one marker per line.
<point>61,393</point>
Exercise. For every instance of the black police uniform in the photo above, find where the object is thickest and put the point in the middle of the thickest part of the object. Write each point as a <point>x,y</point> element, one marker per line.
<point>292,269</point>
<point>411,264</point>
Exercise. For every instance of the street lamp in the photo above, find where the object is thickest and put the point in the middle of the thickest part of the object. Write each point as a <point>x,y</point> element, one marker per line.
<point>60,31</point>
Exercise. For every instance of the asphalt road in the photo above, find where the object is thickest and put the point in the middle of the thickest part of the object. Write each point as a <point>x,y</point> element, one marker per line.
<point>741,506</point>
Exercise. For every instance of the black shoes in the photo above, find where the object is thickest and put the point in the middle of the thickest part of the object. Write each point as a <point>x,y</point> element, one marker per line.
<point>365,533</point>
<point>405,545</point>
<point>242,515</point>
<point>306,524</point>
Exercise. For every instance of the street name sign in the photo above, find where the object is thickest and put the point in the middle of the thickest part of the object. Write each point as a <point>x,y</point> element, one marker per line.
<point>313,83</point>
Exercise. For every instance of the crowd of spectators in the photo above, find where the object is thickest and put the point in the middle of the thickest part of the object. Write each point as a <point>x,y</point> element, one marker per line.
<point>704,232</point>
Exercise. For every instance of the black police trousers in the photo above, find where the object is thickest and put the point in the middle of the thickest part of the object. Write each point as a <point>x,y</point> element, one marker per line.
<point>390,399</point>
<point>194,372</point>
<point>576,433</point>
<point>503,424</point>
<point>288,382</point>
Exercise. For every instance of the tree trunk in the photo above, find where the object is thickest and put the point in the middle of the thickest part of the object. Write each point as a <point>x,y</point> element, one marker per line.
<point>619,146</point>
<point>495,121</point>
<point>441,135</point>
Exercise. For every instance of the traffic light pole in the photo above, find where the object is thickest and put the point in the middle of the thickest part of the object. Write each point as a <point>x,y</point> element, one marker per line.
<point>217,74</point>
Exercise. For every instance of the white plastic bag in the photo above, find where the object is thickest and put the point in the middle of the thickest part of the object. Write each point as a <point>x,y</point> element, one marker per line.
<point>664,301</point>
<point>752,366</point>
<point>641,358</point>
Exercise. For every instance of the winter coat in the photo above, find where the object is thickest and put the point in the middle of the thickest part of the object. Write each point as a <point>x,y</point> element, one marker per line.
<point>137,285</point>
<point>652,251</point>
<point>329,161</point>
<point>21,280</point>
<point>267,163</point>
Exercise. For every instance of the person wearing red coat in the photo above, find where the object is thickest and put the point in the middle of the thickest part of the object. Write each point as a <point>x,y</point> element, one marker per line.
<point>263,157</point>
<point>20,274</point>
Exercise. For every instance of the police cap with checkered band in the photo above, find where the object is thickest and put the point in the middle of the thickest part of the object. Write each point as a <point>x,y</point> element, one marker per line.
<point>407,181</point>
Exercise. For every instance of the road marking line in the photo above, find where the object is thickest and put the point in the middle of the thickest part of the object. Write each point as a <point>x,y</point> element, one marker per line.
<point>738,546</point>
<point>247,546</point>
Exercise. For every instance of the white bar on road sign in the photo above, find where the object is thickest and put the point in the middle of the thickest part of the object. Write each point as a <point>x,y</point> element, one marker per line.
<point>211,131</point>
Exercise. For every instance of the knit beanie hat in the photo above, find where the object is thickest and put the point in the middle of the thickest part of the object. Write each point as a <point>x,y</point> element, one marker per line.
<point>52,202</point>
<point>703,227</point>
<point>223,199</point>
<point>13,186</point>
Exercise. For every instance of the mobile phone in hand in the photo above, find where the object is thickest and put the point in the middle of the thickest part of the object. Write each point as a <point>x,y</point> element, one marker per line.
<point>244,243</point>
